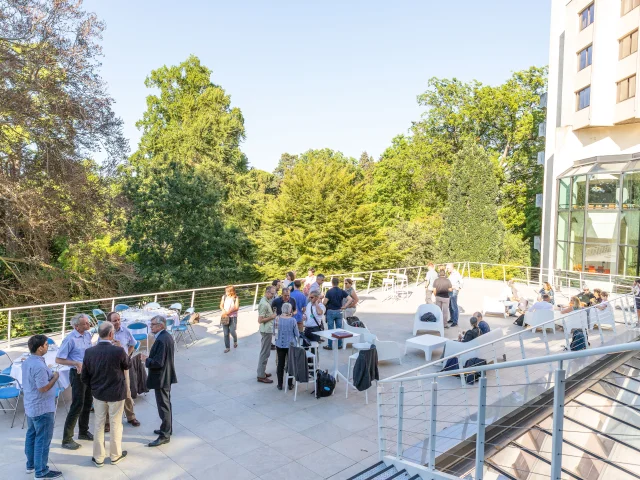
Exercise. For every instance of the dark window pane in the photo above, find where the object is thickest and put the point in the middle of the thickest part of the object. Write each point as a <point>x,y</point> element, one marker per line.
<point>579,191</point>
<point>604,189</point>
<point>631,190</point>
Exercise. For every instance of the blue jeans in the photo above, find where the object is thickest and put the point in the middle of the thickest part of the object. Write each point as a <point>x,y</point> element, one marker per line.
<point>453,307</point>
<point>37,442</point>
<point>334,320</point>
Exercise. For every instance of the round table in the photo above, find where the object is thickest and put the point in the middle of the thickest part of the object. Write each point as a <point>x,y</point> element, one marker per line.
<point>135,315</point>
<point>50,359</point>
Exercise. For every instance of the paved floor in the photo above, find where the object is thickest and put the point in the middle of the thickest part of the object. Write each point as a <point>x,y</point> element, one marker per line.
<point>226,425</point>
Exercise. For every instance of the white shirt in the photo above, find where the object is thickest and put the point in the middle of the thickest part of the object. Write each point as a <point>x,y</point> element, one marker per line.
<point>432,275</point>
<point>316,310</point>
<point>541,306</point>
<point>456,279</point>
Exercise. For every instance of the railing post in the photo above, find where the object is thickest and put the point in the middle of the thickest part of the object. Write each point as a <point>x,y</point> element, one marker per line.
<point>504,273</point>
<point>526,367</point>
<point>400,411</point>
<point>482,401</point>
<point>558,421</point>
<point>369,284</point>
<point>381,437</point>
<point>193,298</point>
<point>64,318</point>
<point>155,298</point>
<point>528,276</point>
<point>468,269</point>
<point>9,329</point>
<point>418,277</point>
<point>482,270</point>
<point>255,298</point>
<point>433,422</point>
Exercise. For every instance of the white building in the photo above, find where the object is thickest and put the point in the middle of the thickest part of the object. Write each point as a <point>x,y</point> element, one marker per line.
<point>591,203</point>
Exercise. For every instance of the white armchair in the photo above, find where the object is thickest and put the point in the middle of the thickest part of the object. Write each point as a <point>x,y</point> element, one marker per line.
<point>388,350</point>
<point>437,326</point>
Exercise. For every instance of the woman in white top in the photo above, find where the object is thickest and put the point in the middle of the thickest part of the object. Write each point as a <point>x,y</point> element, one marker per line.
<point>230,304</point>
<point>309,280</point>
<point>314,317</point>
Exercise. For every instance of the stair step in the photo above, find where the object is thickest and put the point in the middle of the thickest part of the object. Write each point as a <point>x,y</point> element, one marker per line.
<point>401,475</point>
<point>365,474</point>
<point>384,474</point>
<point>415,477</point>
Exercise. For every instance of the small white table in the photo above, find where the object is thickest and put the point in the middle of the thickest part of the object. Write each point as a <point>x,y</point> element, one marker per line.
<point>426,343</point>
<point>50,360</point>
<point>327,334</point>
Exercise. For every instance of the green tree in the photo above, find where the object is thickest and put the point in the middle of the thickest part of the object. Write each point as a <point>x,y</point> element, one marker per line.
<point>321,218</point>
<point>471,228</point>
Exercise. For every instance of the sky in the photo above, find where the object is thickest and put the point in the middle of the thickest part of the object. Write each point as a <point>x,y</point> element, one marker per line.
<point>308,74</point>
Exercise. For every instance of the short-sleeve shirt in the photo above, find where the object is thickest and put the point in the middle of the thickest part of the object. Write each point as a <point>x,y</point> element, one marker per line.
<point>265,310</point>
<point>301,303</point>
<point>74,346</point>
<point>442,286</point>
<point>432,276</point>
<point>314,314</point>
<point>278,302</point>
<point>483,327</point>
<point>335,296</point>
<point>125,337</point>
<point>35,375</point>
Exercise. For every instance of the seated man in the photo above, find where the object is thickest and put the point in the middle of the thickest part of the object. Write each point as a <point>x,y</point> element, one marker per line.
<point>482,325</point>
<point>545,304</point>
<point>470,334</point>
<point>604,303</point>
<point>586,296</point>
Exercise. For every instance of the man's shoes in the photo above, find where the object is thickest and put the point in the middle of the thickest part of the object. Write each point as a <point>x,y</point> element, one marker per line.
<point>267,375</point>
<point>159,432</point>
<point>265,380</point>
<point>134,422</point>
<point>120,458</point>
<point>449,321</point>
<point>279,387</point>
<point>273,347</point>
<point>159,441</point>
<point>454,325</point>
<point>447,325</point>
<point>87,436</point>
<point>71,445</point>
<point>30,470</point>
<point>52,474</point>
<point>97,463</point>
<point>327,347</point>
<point>107,428</point>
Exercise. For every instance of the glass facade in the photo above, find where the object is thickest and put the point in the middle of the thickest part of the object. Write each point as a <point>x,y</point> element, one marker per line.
<point>598,221</point>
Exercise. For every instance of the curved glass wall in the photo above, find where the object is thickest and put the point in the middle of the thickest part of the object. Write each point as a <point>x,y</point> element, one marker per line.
<point>598,221</point>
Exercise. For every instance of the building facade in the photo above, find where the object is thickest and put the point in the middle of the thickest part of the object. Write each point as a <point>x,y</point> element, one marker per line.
<point>591,199</point>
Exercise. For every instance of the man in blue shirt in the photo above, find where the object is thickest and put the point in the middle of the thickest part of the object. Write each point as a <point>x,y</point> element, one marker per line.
<point>71,353</point>
<point>301,303</point>
<point>333,301</point>
<point>38,384</point>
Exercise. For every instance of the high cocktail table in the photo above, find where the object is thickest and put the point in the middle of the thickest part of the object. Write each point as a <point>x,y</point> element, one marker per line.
<point>426,343</point>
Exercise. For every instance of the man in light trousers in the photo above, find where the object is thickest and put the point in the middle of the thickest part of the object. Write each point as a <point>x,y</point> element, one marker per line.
<point>431,277</point>
<point>265,319</point>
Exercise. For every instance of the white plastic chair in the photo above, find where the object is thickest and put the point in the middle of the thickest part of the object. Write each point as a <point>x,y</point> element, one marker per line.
<point>388,350</point>
<point>354,358</point>
<point>493,305</point>
<point>388,283</point>
<point>538,317</point>
<point>312,366</point>
<point>366,335</point>
<point>603,317</point>
<point>402,285</point>
<point>437,326</point>
<point>152,305</point>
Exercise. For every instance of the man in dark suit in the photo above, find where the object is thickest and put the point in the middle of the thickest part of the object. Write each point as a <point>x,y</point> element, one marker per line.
<point>104,368</point>
<point>162,374</point>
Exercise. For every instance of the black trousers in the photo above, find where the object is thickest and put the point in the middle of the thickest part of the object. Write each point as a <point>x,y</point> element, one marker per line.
<point>80,408</point>
<point>309,333</point>
<point>282,354</point>
<point>163,401</point>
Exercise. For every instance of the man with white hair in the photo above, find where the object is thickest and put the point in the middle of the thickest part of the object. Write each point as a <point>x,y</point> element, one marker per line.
<point>71,354</point>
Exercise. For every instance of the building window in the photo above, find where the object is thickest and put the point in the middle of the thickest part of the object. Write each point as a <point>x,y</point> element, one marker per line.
<point>627,89</point>
<point>585,56</point>
<point>586,17</point>
<point>629,44</point>
<point>583,98</point>
<point>628,5</point>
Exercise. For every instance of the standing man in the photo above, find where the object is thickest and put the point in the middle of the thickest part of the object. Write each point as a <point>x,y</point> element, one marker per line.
<point>105,367</point>
<point>124,338</point>
<point>71,354</point>
<point>317,285</point>
<point>300,302</point>
<point>162,374</point>
<point>442,288</point>
<point>431,277</point>
<point>265,319</point>
<point>333,302</point>
<point>276,304</point>
<point>38,384</point>
<point>456,282</point>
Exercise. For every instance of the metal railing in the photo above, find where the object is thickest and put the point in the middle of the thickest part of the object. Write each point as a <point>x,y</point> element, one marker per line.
<point>415,422</point>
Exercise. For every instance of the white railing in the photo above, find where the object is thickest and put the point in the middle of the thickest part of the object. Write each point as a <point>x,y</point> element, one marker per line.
<point>416,419</point>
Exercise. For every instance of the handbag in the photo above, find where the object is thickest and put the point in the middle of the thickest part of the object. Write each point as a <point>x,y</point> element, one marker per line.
<point>224,319</point>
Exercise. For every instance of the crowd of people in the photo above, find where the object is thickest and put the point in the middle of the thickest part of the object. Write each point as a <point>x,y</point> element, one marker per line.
<point>100,380</point>
<point>443,288</point>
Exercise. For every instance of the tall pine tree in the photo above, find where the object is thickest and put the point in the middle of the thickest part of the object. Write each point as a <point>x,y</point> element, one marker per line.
<point>472,230</point>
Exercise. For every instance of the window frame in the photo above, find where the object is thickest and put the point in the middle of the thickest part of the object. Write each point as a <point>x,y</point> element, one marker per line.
<point>588,56</point>
<point>590,10</point>
<point>631,35</point>
<point>620,86</point>
<point>633,5</point>
<point>578,109</point>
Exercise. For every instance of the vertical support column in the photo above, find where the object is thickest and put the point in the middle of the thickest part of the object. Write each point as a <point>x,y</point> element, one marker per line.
<point>155,298</point>
<point>528,276</point>
<point>400,411</point>
<point>255,298</point>
<point>432,427</point>
<point>418,277</point>
<point>558,421</point>
<point>526,367</point>
<point>468,269</point>
<point>193,298</point>
<point>113,304</point>
<point>9,329</point>
<point>369,284</point>
<point>482,270</point>
<point>64,318</point>
<point>381,437</point>
<point>482,405</point>
<point>504,273</point>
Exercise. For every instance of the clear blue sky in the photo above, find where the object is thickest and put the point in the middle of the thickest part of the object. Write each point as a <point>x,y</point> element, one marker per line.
<point>337,74</point>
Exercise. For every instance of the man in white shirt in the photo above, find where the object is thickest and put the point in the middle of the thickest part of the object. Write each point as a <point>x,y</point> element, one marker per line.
<point>545,304</point>
<point>456,282</point>
<point>431,277</point>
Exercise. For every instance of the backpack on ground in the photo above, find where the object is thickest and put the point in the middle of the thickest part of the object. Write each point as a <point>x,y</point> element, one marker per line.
<point>325,383</point>
<point>428,317</point>
<point>519,321</point>
<point>578,341</point>
<point>355,322</point>
<point>473,377</point>
<point>452,364</point>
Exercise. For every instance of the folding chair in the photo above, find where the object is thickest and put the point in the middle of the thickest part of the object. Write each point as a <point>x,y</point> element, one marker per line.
<point>120,307</point>
<point>9,391</point>
<point>140,336</point>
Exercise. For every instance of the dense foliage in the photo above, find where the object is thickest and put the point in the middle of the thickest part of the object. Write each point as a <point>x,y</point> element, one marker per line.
<point>186,210</point>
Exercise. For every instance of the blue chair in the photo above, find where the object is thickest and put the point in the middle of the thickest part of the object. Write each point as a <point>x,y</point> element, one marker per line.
<point>51,341</point>
<point>192,333</point>
<point>140,337</point>
<point>120,307</point>
<point>177,307</point>
<point>96,313</point>
<point>9,391</point>
<point>7,370</point>
<point>179,331</point>
<point>137,347</point>
<point>152,305</point>
<point>190,310</point>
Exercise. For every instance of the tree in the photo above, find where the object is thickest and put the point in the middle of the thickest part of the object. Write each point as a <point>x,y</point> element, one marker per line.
<point>471,228</point>
<point>182,228</point>
<point>321,218</point>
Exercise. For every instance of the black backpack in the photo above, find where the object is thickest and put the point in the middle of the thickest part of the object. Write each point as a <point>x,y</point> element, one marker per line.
<point>355,322</point>
<point>519,321</point>
<point>452,364</point>
<point>578,342</point>
<point>473,377</point>
<point>325,383</point>
<point>428,317</point>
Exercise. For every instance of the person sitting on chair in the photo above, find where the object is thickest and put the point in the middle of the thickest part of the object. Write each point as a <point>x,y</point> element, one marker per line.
<point>483,326</point>
<point>471,334</point>
<point>545,304</point>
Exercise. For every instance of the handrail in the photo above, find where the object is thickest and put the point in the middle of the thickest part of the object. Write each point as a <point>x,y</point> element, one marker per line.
<point>559,357</point>
<point>501,339</point>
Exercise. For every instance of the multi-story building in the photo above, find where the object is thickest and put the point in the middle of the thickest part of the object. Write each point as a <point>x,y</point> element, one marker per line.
<point>591,199</point>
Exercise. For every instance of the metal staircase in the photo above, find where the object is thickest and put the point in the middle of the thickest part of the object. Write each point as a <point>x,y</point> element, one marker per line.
<point>382,471</point>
